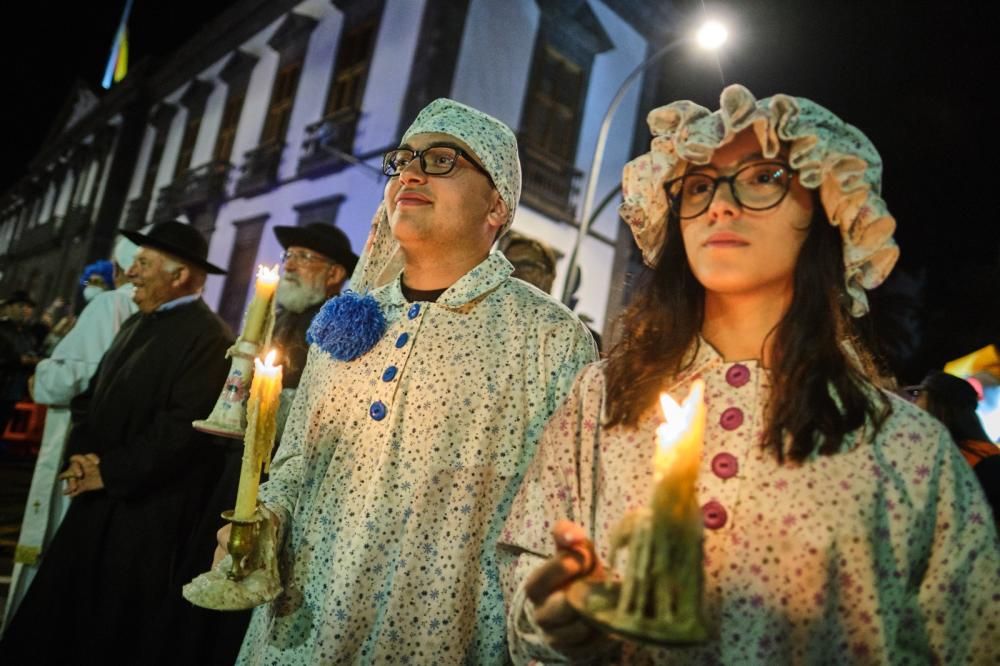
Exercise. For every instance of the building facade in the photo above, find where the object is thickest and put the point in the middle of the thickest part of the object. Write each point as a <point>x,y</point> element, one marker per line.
<point>278,112</point>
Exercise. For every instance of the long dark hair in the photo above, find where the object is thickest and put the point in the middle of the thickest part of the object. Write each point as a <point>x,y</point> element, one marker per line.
<point>821,369</point>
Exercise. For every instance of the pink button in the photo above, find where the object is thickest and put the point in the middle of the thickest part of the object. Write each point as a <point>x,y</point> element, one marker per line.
<point>738,375</point>
<point>725,465</point>
<point>732,418</point>
<point>714,515</point>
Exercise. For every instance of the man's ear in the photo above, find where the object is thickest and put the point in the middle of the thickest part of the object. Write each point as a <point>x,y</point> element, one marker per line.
<point>335,275</point>
<point>182,277</point>
<point>497,215</point>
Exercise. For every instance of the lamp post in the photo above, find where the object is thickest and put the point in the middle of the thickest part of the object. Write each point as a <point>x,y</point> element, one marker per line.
<point>711,35</point>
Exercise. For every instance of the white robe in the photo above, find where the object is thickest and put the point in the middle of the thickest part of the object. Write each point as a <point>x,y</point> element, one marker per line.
<point>58,379</point>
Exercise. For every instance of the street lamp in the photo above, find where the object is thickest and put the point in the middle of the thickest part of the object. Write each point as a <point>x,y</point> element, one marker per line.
<point>710,36</point>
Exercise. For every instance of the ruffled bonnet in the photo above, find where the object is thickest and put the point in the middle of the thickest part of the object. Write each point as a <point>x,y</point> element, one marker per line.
<point>828,154</point>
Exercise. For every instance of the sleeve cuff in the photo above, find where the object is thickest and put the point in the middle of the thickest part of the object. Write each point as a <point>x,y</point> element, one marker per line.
<point>529,643</point>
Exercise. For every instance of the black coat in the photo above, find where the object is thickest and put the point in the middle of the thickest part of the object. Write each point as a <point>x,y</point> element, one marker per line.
<point>116,564</point>
<point>290,337</point>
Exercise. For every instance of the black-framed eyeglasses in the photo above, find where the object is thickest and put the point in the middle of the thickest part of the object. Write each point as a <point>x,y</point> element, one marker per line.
<point>303,257</point>
<point>436,160</point>
<point>757,186</point>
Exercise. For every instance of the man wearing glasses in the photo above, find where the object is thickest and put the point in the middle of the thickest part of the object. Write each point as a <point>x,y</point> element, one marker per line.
<point>398,465</point>
<point>316,262</point>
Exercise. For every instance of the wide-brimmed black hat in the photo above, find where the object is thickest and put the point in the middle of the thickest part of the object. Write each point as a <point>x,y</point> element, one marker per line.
<point>181,240</point>
<point>326,239</point>
<point>19,296</point>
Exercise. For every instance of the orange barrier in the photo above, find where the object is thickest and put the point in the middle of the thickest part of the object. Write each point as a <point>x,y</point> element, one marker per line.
<point>26,424</point>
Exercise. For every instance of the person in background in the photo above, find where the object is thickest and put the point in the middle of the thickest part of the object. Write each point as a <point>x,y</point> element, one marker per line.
<point>317,260</point>
<point>58,322</point>
<point>19,352</point>
<point>840,525</point>
<point>953,401</point>
<point>137,472</point>
<point>57,380</point>
<point>533,261</point>
<point>97,278</point>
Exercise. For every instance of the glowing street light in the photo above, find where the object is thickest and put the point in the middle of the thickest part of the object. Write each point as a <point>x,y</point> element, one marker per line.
<point>711,36</point>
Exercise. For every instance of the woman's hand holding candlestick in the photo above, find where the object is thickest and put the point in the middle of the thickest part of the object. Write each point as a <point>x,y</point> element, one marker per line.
<point>546,588</point>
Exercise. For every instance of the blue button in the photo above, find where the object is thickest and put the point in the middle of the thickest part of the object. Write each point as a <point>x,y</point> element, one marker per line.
<point>389,374</point>
<point>414,311</point>
<point>402,340</point>
<point>377,410</point>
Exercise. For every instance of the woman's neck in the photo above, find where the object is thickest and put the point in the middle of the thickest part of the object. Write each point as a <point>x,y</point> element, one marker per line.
<point>738,326</point>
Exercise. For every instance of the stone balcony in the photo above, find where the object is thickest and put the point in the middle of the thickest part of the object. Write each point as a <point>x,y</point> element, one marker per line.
<point>327,143</point>
<point>549,184</point>
<point>259,171</point>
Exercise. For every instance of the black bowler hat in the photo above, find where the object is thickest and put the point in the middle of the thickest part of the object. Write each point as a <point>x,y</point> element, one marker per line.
<point>181,240</point>
<point>326,239</point>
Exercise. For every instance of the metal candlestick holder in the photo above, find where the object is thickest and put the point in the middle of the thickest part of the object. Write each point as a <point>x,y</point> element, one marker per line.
<point>248,576</point>
<point>243,538</point>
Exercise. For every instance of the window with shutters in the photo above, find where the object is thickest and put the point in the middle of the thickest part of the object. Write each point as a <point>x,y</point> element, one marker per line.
<point>279,111</point>
<point>227,130</point>
<point>569,36</point>
<point>351,68</point>
<point>191,128</point>
<point>155,155</point>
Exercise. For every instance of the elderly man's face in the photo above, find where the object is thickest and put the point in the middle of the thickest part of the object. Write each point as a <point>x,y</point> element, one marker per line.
<point>154,283</point>
<point>309,278</point>
<point>451,212</point>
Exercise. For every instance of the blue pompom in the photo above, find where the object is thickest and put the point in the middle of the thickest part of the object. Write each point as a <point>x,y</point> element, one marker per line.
<point>347,326</point>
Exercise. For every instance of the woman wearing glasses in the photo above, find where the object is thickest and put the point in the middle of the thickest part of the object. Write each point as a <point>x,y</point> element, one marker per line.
<point>840,523</point>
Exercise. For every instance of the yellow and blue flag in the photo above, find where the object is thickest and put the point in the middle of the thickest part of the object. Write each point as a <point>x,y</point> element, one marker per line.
<point>117,65</point>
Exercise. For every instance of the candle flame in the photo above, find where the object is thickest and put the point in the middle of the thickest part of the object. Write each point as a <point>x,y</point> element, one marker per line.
<point>678,418</point>
<point>268,364</point>
<point>266,274</point>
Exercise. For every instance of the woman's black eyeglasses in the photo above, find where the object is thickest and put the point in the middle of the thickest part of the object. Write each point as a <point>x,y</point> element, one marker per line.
<point>756,186</point>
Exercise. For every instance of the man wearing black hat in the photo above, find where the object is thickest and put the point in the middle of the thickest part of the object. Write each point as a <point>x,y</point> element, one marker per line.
<point>138,471</point>
<point>317,260</point>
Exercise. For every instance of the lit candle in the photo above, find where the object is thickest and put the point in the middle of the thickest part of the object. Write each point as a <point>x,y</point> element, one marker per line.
<point>679,442</point>
<point>676,513</point>
<point>262,421</point>
<point>260,306</point>
<point>659,595</point>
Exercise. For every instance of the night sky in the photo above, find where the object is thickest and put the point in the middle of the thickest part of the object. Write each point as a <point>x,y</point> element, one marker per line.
<point>911,75</point>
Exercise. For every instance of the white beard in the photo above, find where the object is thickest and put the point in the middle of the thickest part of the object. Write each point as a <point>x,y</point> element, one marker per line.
<point>297,297</point>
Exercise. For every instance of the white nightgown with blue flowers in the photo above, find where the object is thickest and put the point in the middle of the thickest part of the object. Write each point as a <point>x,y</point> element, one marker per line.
<point>396,472</point>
